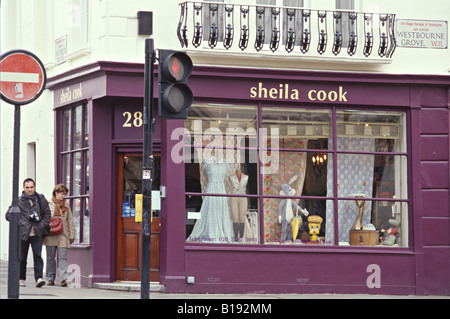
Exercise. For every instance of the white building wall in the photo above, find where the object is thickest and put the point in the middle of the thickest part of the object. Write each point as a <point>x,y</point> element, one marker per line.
<point>106,30</point>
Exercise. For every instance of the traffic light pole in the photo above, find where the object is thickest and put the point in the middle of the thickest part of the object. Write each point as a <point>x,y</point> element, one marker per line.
<point>147,168</point>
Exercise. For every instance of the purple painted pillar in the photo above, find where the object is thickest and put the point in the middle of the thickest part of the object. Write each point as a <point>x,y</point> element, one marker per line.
<point>173,219</point>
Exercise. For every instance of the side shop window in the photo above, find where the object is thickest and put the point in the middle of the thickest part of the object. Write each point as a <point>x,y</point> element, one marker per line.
<point>74,159</point>
<point>270,175</point>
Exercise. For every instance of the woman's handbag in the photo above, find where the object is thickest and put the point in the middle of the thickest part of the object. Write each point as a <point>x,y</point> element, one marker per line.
<point>56,226</point>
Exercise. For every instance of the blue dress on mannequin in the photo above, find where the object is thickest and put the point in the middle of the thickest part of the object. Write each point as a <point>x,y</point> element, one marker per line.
<point>214,224</point>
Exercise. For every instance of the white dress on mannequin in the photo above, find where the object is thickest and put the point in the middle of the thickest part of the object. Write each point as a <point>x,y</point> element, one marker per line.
<point>214,224</point>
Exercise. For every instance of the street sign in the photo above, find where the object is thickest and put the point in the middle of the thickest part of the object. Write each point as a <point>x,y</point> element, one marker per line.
<point>22,80</point>
<point>22,77</point>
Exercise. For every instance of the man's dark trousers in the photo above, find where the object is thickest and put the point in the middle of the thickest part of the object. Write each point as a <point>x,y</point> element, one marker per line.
<point>36,247</point>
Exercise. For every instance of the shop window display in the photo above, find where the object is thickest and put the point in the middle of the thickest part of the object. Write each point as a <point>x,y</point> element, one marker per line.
<point>74,159</point>
<point>290,176</point>
<point>221,158</point>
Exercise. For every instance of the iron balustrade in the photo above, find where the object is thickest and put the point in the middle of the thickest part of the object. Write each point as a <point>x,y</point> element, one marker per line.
<point>293,27</point>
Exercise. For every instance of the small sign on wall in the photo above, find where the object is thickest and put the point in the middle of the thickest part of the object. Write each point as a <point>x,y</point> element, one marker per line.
<point>431,34</point>
<point>60,49</point>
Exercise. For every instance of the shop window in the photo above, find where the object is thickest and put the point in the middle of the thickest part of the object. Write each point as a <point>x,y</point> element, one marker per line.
<point>221,159</point>
<point>271,175</point>
<point>74,167</point>
<point>291,167</point>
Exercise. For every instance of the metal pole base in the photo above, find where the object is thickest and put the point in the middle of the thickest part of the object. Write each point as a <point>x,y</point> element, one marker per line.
<point>13,257</point>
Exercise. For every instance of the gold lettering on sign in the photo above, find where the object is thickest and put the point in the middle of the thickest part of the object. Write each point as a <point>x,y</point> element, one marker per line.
<point>78,92</point>
<point>283,92</point>
<point>132,119</point>
<point>67,95</point>
<point>286,92</point>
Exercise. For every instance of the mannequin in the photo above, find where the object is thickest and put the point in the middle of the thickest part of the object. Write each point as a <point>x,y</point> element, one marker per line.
<point>238,204</point>
<point>214,224</point>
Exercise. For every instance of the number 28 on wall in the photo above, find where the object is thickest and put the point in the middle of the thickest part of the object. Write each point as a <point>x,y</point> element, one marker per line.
<point>132,119</point>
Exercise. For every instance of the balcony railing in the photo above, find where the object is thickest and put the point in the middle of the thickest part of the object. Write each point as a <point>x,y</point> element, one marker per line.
<point>296,29</point>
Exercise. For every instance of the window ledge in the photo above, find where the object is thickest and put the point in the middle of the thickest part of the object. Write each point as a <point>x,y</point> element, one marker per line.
<point>282,60</point>
<point>302,248</point>
<point>80,246</point>
<point>49,66</point>
<point>77,54</point>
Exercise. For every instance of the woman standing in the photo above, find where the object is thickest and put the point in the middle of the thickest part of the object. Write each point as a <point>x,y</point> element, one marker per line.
<point>60,242</point>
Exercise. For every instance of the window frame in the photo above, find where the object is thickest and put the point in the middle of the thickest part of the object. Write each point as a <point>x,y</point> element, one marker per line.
<point>333,154</point>
<point>83,235</point>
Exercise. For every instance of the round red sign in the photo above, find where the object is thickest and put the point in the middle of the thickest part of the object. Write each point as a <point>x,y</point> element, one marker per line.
<point>22,77</point>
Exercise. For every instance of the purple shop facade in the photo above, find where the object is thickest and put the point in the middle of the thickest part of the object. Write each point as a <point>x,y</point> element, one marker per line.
<point>110,89</point>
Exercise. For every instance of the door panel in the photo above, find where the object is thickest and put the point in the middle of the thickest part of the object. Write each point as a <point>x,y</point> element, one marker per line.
<point>131,245</point>
<point>129,238</point>
<point>155,248</point>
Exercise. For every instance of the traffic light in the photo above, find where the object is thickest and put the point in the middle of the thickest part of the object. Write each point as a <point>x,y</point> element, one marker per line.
<point>175,97</point>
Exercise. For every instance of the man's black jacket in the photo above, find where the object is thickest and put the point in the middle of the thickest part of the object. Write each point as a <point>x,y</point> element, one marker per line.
<point>36,203</point>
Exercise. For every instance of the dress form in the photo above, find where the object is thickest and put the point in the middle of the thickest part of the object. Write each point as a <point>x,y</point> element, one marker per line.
<point>238,205</point>
<point>214,224</point>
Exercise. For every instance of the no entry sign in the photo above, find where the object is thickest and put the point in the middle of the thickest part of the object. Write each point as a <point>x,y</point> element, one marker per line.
<point>22,77</point>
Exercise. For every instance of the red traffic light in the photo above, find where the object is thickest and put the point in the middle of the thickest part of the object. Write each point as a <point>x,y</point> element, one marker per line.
<point>175,96</point>
<point>175,67</point>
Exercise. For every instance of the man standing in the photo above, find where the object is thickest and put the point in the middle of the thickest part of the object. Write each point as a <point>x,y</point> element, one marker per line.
<point>34,221</point>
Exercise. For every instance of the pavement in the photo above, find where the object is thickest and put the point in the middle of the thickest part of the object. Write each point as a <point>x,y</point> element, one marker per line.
<point>127,292</point>
<point>131,290</point>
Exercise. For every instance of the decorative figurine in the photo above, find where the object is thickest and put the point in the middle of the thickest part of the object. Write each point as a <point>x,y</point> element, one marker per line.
<point>288,209</point>
<point>360,202</point>
<point>358,234</point>
<point>391,233</point>
<point>314,223</point>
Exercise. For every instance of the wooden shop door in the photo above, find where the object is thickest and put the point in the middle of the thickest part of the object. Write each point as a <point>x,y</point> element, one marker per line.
<point>129,231</point>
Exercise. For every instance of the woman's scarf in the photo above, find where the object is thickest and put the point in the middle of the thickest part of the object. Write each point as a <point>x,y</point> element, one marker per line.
<point>60,207</point>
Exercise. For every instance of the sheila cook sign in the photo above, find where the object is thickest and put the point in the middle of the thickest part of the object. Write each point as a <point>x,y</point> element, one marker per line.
<point>286,92</point>
<point>422,34</point>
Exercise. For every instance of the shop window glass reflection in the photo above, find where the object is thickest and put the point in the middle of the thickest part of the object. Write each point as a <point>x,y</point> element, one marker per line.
<point>74,166</point>
<point>364,222</point>
<point>86,173</point>
<point>76,190</point>
<point>305,169</point>
<point>76,207</point>
<point>86,127</point>
<point>86,221</point>
<point>77,127</point>
<point>65,163</point>
<point>221,158</point>
<point>297,126</point>
<point>222,220</point>
<point>295,221</point>
<point>66,129</point>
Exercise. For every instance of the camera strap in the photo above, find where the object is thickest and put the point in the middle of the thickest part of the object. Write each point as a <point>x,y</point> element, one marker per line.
<point>38,202</point>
